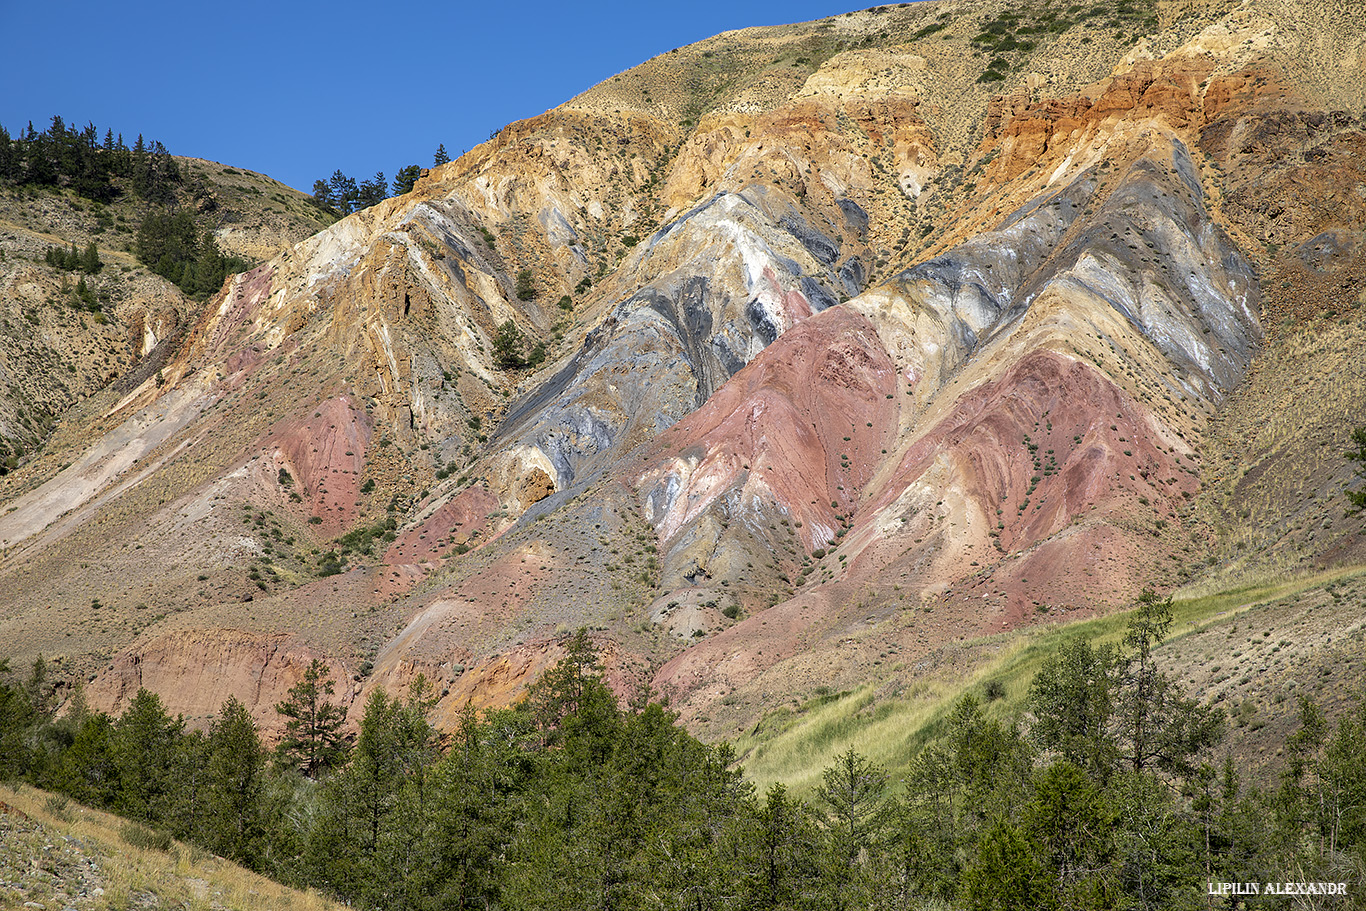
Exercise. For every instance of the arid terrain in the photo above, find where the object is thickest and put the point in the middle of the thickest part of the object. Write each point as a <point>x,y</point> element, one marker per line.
<point>822,358</point>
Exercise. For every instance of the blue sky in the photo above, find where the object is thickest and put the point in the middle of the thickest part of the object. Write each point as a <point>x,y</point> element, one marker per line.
<point>298,89</point>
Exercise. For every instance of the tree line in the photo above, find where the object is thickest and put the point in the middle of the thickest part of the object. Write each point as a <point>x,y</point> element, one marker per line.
<point>341,193</point>
<point>76,158</point>
<point>171,241</point>
<point>1102,794</point>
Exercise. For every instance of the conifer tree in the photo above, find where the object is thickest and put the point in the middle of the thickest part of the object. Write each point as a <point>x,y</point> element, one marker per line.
<point>143,745</point>
<point>235,779</point>
<point>372,191</point>
<point>90,260</point>
<point>322,194</point>
<point>857,809</point>
<point>8,156</point>
<point>344,192</point>
<point>406,178</point>
<point>1357,498</point>
<point>83,293</point>
<point>89,770</point>
<point>313,740</point>
<point>440,157</point>
<point>507,346</point>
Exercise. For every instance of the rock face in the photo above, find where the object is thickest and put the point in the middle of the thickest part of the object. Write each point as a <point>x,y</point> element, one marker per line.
<point>195,671</point>
<point>863,351</point>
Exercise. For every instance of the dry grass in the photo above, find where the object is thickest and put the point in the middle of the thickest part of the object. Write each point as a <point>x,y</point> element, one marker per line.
<point>133,874</point>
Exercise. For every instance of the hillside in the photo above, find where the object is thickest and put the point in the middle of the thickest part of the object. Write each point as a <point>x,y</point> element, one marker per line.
<point>861,342</point>
<point>56,350</point>
<point>56,853</point>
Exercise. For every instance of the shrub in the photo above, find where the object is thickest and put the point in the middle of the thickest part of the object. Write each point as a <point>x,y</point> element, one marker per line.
<point>59,805</point>
<point>507,346</point>
<point>526,286</point>
<point>137,836</point>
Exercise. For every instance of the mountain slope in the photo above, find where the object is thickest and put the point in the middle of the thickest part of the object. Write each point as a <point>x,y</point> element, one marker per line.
<point>57,350</point>
<point>861,337</point>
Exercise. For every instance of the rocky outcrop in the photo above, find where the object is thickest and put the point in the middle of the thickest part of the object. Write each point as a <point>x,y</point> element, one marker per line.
<point>196,671</point>
<point>993,431</point>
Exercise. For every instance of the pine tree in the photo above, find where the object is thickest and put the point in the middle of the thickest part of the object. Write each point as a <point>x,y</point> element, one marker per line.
<point>858,811</point>
<point>313,740</point>
<point>90,260</point>
<point>1072,701</point>
<point>377,810</point>
<point>373,191</point>
<point>526,285</point>
<point>1072,824</point>
<point>406,179</point>
<point>210,268</point>
<point>89,769</point>
<point>1158,726</point>
<point>1357,498</point>
<point>1007,874</point>
<point>144,740</point>
<point>9,156</point>
<point>474,816</point>
<point>344,192</point>
<point>440,157</point>
<point>785,861</point>
<point>83,293</point>
<point>322,194</point>
<point>235,773</point>
<point>570,701</point>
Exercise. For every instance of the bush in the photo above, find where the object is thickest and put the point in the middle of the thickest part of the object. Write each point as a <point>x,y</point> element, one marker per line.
<point>137,836</point>
<point>507,346</point>
<point>59,805</point>
<point>526,286</point>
